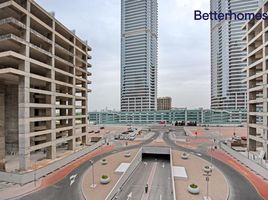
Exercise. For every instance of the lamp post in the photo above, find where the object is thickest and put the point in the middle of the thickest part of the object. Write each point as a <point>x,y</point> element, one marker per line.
<point>34,173</point>
<point>93,182</point>
<point>211,149</point>
<point>207,175</point>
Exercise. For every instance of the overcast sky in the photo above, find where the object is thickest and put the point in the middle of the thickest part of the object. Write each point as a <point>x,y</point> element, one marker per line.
<point>184,55</point>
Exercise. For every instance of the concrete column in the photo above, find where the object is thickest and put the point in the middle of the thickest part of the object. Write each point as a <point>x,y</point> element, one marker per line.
<point>71,144</point>
<point>2,130</point>
<point>51,151</point>
<point>24,110</point>
<point>24,124</point>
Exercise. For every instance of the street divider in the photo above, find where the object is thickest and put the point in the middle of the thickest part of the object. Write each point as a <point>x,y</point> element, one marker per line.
<point>118,186</point>
<point>172,175</point>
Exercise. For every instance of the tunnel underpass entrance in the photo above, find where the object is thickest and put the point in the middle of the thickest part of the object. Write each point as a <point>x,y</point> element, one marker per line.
<point>150,156</point>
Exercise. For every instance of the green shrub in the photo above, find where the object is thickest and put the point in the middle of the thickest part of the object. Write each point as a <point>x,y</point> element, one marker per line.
<point>193,186</point>
<point>104,177</point>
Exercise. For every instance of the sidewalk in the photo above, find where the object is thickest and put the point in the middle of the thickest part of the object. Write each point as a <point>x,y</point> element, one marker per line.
<point>52,178</point>
<point>102,190</point>
<point>258,182</point>
<point>194,169</point>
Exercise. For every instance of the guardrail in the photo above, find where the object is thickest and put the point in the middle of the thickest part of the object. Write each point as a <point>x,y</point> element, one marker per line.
<point>135,162</point>
<point>172,176</point>
<point>23,178</point>
<point>243,159</point>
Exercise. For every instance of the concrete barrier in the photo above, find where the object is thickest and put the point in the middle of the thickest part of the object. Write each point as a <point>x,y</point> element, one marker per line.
<point>26,177</point>
<point>133,165</point>
<point>243,159</point>
<point>156,150</point>
<point>172,176</point>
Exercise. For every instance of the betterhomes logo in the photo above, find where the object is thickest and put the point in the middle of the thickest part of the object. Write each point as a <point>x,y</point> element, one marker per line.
<point>198,15</point>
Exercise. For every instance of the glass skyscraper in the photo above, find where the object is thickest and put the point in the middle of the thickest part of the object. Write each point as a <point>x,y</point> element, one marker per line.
<point>228,91</point>
<point>139,49</point>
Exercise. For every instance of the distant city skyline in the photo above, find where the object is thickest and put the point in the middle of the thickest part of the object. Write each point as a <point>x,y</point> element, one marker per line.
<point>184,56</point>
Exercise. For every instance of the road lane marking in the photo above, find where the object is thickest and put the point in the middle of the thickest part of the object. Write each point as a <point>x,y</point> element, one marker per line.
<point>145,196</point>
<point>129,196</point>
<point>72,179</point>
<point>163,165</point>
<point>160,197</point>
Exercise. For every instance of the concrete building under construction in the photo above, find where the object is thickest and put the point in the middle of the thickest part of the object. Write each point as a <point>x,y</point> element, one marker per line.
<point>43,84</point>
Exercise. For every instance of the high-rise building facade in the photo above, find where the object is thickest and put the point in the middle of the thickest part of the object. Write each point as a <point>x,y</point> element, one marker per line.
<point>139,55</point>
<point>227,89</point>
<point>43,84</point>
<point>256,39</point>
<point>164,103</point>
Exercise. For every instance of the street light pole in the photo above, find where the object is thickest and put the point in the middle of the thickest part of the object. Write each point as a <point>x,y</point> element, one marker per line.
<point>93,182</point>
<point>211,157</point>
<point>207,179</point>
<point>207,175</point>
<point>34,173</point>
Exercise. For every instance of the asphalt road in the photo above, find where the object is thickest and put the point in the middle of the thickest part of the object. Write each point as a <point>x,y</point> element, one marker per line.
<point>158,172</point>
<point>64,191</point>
<point>240,187</point>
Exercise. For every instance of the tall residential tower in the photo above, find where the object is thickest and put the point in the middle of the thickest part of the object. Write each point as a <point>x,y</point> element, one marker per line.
<point>227,89</point>
<point>139,35</point>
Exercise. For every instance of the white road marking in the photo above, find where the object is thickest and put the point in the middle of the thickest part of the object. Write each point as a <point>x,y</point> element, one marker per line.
<point>163,165</point>
<point>129,196</point>
<point>160,197</point>
<point>72,179</point>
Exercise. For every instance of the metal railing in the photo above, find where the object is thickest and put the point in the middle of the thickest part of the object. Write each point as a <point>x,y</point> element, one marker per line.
<point>243,159</point>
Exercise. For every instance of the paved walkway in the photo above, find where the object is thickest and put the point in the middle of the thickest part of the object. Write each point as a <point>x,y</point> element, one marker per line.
<point>260,184</point>
<point>52,178</point>
<point>101,191</point>
<point>218,188</point>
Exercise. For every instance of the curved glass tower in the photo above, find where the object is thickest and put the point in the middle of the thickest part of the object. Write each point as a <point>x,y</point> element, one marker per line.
<point>228,91</point>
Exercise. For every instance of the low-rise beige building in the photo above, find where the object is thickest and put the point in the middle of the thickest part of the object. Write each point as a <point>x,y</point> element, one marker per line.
<point>43,83</point>
<point>164,103</point>
<point>257,84</point>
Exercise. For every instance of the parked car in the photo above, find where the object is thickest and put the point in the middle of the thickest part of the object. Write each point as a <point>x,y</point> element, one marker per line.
<point>132,137</point>
<point>102,127</point>
<point>91,131</point>
<point>117,137</point>
<point>98,131</point>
